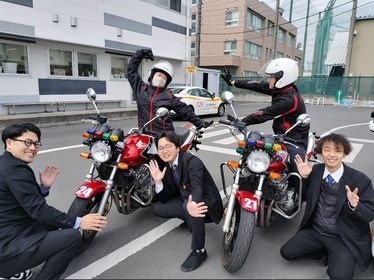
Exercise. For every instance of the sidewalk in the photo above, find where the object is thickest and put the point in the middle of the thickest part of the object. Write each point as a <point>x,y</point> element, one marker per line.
<point>68,117</point>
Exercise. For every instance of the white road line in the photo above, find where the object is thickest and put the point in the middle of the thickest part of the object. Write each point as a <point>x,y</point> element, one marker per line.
<point>356,148</point>
<point>226,141</point>
<point>101,265</point>
<point>60,149</point>
<point>218,150</point>
<point>361,140</point>
<point>342,127</point>
<point>215,133</point>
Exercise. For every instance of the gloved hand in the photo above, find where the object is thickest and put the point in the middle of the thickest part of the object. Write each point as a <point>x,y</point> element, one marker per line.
<point>148,54</point>
<point>206,124</point>
<point>227,76</point>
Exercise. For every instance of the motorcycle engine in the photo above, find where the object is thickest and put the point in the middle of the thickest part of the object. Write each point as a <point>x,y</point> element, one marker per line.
<point>286,199</point>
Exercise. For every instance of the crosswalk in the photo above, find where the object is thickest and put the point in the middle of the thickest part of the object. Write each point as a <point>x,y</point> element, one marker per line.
<point>225,139</point>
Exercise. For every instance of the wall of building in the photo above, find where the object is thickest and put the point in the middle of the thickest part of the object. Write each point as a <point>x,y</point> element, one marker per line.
<point>104,28</point>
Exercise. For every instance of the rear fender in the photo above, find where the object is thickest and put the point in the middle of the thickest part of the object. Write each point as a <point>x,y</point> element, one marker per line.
<point>247,200</point>
<point>89,189</point>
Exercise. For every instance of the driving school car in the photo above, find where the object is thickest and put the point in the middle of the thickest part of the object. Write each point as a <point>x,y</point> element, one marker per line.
<point>201,101</point>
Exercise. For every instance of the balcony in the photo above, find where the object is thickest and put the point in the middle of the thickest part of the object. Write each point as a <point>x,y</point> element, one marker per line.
<point>220,60</point>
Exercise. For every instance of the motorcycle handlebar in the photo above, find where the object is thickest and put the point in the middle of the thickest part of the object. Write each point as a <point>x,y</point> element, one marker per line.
<point>225,122</point>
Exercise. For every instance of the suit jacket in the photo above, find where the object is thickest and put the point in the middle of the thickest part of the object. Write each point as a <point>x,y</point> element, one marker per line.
<point>23,209</point>
<point>196,180</point>
<point>353,226</point>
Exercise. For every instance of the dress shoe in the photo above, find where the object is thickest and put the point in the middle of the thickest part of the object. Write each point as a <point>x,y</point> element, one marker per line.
<point>22,275</point>
<point>194,260</point>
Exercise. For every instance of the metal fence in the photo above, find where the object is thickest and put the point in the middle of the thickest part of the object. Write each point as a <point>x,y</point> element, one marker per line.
<point>338,87</point>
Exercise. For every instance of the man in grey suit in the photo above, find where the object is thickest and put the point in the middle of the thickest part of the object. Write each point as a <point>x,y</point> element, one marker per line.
<point>32,232</point>
<point>186,190</point>
<point>339,207</point>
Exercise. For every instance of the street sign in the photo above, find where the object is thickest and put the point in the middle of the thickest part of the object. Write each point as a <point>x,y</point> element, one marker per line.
<point>191,69</point>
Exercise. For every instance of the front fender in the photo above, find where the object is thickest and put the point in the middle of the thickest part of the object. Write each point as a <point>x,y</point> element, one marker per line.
<point>247,200</point>
<point>90,188</point>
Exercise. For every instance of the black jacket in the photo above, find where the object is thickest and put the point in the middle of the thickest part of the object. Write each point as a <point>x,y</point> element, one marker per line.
<point>353,226</point>
<point>286,106</point>
<point>149,99</point>
<point>23,209</point>
<point>196,180</point>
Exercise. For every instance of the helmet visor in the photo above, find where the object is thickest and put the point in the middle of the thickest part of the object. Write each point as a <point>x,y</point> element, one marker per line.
<point>262,71</point>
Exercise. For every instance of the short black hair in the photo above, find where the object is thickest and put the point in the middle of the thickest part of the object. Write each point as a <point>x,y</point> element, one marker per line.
<point>16,130</point>
<point>171,136</point>
<point>337,139</point>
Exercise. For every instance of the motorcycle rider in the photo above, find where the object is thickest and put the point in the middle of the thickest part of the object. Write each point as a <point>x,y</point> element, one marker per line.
<point>154,94</point>
<point>286,103</point>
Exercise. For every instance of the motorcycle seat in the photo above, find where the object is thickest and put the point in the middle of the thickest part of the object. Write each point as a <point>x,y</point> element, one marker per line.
<point>182,133</point>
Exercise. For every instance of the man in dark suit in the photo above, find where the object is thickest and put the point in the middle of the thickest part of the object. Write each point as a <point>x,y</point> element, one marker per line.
<point>32,232</point>
<point>186,190</point>
<point>339,207</point>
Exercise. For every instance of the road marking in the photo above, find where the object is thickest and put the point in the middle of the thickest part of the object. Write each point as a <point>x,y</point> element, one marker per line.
<point>342,127</point>
<point>60,149</point>
<point>215,133</point>
<point>218,150</point>
<point>105,263</point>
<point>361,140</point>
<point>356,148</point>
<point>225,141</point>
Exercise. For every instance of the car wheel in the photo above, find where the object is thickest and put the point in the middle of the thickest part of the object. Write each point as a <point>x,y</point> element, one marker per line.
<point>221,110</point>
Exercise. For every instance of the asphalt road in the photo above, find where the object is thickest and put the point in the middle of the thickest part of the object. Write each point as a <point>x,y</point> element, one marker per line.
<point>142,246</point>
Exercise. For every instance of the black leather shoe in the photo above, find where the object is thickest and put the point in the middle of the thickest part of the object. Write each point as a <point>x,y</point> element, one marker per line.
<point>183,225</point>
<point>194,260</point>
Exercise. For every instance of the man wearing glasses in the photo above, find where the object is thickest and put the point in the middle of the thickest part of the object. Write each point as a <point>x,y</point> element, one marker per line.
<point>32,232</point>
<point>185,190</point>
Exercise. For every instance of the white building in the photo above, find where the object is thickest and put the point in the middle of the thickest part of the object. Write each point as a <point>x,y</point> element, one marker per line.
<point>55,50</point>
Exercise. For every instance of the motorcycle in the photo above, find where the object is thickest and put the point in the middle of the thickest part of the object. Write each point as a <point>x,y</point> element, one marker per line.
<point>119,171</point>
<point>261,192</point>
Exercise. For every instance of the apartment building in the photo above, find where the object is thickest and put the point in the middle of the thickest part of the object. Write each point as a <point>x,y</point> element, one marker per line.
<point>241,35</point>
<point>55,50</point>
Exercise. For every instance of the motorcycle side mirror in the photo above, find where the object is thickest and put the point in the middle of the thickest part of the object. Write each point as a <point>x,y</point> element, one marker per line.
<point>303,119</point>
<point>227,97</point>
<point>372,114</point>
<point>91,94</point>
<point>162,112</point>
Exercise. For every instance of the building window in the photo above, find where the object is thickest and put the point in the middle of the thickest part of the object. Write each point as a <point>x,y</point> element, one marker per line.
<point>270,29</point>
<point>254,22</point>
<point>193,23</point>
<point>250,74</point>
<point>193,2</point>
<point>60,62</point>
<point>171,4</point>
<point>119,67</point>
<point>230,48</point>
<point>232,18</point>
<point>87,65</point>
<point>252,51</point>
<point>193,48</point>
<point>279,55</point>
<point>281,35</point>
<point>14,58</point>
<point>291,40</point>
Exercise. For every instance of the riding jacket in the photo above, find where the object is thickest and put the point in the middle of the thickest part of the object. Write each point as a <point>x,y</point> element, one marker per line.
<point>286,106</point>
<point>150,98</point>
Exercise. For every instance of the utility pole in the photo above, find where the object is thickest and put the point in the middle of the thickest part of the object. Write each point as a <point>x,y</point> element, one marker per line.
<point>276,29</point>
<point>198,31</point>
<point>350,39</point>
<point>305,36</point>
<point>291,7</point>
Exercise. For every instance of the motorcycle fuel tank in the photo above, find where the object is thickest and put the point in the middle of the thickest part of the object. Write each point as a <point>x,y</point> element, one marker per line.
<point>138,148</point>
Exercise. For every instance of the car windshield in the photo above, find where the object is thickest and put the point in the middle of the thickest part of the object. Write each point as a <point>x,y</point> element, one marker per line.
<point>176,90</point>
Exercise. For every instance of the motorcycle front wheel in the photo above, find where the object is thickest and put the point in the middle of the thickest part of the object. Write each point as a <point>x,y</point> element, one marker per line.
<point>81,207</point>
<point>237,241</point>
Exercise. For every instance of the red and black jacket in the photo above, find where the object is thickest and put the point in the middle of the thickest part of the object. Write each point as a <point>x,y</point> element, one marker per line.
<point>150,98</point>
<point>286,105</point>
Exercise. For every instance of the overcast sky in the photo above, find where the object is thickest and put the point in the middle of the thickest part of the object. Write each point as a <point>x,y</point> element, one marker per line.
<point>342,11</point>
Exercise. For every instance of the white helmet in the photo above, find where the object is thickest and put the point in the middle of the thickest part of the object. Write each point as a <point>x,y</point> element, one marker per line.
<point>285,70</point>
<point>164,67</point>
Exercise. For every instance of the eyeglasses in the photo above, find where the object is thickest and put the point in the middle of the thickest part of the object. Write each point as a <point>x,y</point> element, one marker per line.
<point>167,148</point>
<point>29,142</point>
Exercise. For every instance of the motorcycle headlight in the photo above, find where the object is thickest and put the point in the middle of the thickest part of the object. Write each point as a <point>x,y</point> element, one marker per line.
<point>258,161</point>
<point>101,152</point>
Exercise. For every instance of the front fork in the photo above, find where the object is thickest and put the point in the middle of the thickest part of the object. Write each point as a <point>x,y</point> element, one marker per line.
<point>247,200</point>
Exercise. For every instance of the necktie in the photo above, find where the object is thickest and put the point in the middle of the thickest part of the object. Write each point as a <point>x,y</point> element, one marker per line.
<point>329,180</point>
<point>175,174</point>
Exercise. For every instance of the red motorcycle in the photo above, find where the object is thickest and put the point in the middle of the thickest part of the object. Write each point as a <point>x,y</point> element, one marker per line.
<point>263,188</point>
<point>119,171</point>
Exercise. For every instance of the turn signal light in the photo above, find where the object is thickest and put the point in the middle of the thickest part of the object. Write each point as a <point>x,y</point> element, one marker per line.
<point>233,164</point>
<point>85,155</point>
<point>86,135</point>
<point>274,175</point>
<point>122,166</point>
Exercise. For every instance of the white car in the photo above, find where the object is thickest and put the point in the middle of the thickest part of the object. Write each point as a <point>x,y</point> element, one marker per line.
<point>200,100</point>
<point>371,123</point>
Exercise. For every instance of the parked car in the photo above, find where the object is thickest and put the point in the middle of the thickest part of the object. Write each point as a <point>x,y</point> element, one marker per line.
<point>371,123</point>
<point>200,100</point>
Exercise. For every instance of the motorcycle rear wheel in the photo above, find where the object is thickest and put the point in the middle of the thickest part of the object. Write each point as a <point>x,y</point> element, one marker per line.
<point>81,207</point>
<point>237,241</point>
